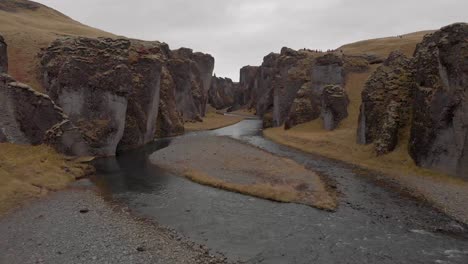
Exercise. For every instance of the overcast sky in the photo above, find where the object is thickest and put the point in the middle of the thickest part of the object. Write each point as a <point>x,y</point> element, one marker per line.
<point>241,32</point>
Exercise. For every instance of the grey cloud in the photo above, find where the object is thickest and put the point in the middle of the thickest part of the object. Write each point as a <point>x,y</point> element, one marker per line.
<point>241,32</point>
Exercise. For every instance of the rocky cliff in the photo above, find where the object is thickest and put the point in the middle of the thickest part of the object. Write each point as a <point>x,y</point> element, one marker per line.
<point>29,117</point>
<point>439,134</point>
<point>386,103</point>
<point>223,93</point>
<point>191,73</point>
<point>248,83</point>
<point>3,56</point>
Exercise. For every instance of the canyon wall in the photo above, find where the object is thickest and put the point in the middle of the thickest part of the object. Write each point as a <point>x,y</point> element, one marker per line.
<point>3,56</point>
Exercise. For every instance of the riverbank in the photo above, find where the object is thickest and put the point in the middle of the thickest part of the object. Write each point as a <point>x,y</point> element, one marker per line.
<point>228,164</point>
<point>78,226</point>
<point>28,172</point>
<point>448,194</point>
<point>213,120</point>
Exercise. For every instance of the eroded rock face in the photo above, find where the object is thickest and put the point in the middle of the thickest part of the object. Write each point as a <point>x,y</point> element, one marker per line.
<point>29,117</point>
<point>439,135</point>
<point>386,103</point>
<point>191,73</point>
<point>91,79</point>
<point>223,93</point>
<point>334,106</point>
<point>312,101</point>
<point>170,121</point>
<point>262,96</point>
<point>248,83</point>
<point>3,56</point>
<point>146,62</point>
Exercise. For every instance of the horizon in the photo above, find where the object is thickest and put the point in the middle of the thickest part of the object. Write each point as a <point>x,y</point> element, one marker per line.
<point>258,26</point>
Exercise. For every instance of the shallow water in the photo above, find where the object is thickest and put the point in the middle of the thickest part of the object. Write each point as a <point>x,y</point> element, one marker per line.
<point>371,225</point>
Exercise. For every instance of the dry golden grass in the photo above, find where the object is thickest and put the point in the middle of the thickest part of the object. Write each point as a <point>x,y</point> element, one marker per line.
<point>383,46</point>
<point>27,31</point>
<point>27,172</point>
<point>213,120</point>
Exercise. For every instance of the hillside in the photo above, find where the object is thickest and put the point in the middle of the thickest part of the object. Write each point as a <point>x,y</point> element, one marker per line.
<point>27,27</point>
<point>383,46</point>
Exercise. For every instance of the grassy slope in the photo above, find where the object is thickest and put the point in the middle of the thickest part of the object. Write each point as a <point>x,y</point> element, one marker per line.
<point>27,172</point>
<point>26,31</point>
<point>383,46</point>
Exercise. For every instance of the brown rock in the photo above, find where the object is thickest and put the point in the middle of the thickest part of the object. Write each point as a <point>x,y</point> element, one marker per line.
<point>29,117</point>
<point>386,102</point>
<point>439,134</point>
<point>334,106</point>
<point>3,56</point>
<point>224,93</point>
<point>91,79</point>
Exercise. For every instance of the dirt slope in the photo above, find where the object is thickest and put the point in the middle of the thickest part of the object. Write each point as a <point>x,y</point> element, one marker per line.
<point>27,27</point>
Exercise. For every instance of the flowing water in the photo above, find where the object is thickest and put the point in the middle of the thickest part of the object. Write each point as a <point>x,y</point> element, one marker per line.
<point>373,224</point>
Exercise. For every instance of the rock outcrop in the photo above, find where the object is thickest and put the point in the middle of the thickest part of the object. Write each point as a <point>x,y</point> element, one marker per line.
<point>91,80</point>
<point>313,101</point>
<point>29,117</point>
<point>3,56</point>
<point>386,103</point>
<point>439,134</point>
<point>262,96</point>
<point>334,106</point>
<point>248,83</point>
<point>224,93</point>
<point>191,73</point>
<point>170,121</point>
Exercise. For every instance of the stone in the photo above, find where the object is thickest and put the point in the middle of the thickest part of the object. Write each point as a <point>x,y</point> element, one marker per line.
<point>248,83</point>
<point>29,117</point>
<point>91,79</point>
<point>386,103</point>
<point>334,106</point>
<point>439,133</point>
<point>224,93</point>
<point>170,121</point>
<point>312,101</point>
<point>146,60</point>
<point>3,56</point>
<point>191,73</point>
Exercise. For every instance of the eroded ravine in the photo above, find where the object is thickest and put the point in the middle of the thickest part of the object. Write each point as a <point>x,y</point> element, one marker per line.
<point>372,224</point>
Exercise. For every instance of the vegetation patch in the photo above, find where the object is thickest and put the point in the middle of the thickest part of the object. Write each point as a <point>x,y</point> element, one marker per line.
<point>33,171</point>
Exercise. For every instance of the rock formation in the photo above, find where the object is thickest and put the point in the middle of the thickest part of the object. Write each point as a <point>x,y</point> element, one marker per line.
<point>262,96</point>
<point>170,121</point>
<point>91,80</point>
<point>190,74</point>
<point>312,101</point>
<point>3,56</point>
<point>29,117</point>
<point>439,134</point>
<point>248,83</point>
<point>334,106</point>
<point>223,93</point>
<point>386,102</point>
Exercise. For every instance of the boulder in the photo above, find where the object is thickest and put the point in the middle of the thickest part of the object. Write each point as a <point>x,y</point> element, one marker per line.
<point>386,103</point>
<point>334,106</point>
<point>29,117</point>
<point>91,79</point>
<point>3,56</point>
<point>439,134</point>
